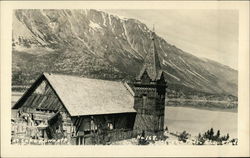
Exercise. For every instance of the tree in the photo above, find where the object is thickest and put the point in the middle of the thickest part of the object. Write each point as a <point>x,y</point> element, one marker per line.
<point>211,133</point>
<point>207,134</point>
<point>199,136</point>
<point>166,129</point>
<point>217,135</point>
<point>227,137</point>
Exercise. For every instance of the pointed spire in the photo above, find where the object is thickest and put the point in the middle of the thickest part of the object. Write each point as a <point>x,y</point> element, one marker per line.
<point>152,34</point>
<point>151,61</point>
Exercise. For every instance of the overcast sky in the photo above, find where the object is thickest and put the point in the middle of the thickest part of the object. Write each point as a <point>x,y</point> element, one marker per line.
<point>211,34</point>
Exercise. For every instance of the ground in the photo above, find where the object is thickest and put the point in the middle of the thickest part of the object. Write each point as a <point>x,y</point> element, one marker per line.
<point>172,139</point>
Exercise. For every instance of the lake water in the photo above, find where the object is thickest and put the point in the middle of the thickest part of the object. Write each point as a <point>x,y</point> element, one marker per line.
<point>195,120</point>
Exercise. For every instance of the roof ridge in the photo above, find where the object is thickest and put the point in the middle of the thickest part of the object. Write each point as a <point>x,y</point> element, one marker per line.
<point>81,77</point>
<point>129,88</point>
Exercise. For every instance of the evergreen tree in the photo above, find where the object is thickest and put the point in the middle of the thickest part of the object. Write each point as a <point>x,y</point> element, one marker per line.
<point>199,136</point>
<point>207,134</point>
<point>211,133</point>
<point>227,137</point>
<point>217,135</point>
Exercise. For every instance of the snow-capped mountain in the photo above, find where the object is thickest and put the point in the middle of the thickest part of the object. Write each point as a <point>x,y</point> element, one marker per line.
<point>96,44</point>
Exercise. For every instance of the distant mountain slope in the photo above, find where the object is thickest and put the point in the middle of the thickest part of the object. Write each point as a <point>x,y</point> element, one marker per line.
<point>99,45</point>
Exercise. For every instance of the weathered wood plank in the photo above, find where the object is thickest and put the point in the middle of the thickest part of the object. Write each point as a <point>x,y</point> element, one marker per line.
<point>30,99</point>
<point>41,101</point>
<point>35,101</point>
<point>50,102</point>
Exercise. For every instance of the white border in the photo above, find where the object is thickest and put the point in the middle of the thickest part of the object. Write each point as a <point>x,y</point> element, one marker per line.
<point>31,151</point>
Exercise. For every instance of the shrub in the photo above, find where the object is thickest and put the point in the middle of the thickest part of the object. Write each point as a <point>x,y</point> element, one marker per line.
<point>183,136</point>
<point>209,135</point>
<point>201,139</point>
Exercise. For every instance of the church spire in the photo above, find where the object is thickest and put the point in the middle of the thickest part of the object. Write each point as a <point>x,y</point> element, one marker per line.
<point>151,61</point>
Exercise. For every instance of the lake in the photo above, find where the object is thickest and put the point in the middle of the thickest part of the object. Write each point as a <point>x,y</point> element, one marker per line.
<point>195,120</point>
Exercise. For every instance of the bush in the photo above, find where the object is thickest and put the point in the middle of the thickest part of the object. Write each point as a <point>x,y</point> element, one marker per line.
<point>201,139</point>
<point>209,135</point>
<point>225,138</point>
<point>183,136</point>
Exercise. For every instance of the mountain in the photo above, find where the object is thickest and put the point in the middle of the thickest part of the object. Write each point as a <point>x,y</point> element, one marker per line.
<point>95,44</point>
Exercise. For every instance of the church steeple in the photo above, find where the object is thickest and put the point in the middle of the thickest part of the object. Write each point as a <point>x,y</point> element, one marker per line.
<point>149,94</point>
<point>151,61</point>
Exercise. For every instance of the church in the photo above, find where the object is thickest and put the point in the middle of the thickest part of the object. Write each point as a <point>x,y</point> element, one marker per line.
<point>94,111</point>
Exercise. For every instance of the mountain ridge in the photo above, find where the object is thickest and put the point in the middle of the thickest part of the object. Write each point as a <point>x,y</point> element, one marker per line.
<point>96,44</point>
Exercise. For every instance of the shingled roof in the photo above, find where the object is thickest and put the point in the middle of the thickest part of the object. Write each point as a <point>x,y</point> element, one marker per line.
<point>84,96</point>
<point>151,62</point>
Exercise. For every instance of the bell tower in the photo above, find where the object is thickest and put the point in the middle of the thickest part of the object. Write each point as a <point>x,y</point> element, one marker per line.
<point>150,89</point>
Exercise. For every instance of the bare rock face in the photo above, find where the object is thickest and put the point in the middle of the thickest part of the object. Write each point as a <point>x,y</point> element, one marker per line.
<point>95,44</point>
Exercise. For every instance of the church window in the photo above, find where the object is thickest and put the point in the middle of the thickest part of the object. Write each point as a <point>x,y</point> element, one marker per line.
<point>144,100</point>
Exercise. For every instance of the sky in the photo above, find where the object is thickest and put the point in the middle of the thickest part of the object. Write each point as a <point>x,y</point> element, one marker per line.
<point>211,34</point>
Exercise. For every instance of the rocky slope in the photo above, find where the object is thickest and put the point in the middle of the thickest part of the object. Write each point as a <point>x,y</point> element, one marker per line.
<point>99,45</point>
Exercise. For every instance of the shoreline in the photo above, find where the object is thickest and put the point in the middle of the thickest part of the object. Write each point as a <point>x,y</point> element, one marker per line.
<point>233,110</point>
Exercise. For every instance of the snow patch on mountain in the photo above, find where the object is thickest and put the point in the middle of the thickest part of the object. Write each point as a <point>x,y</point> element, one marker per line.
<point>86,12</point>
<point>198,75</point>
<point>104,19</point>
<point>165,62</point>
<point>142,28</point>
<point>119,17</point>
<point>94,25</point>
<point>165,54</point>
<point>175,65</point>
<point>80,39</point>
<point>110,20</point>
<point>182,60</point>
<point>172,76</point>
<point>127,36</point>
<point>53,26</point>
<point>19,29</point>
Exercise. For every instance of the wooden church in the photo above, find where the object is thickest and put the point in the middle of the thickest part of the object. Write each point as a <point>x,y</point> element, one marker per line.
<point>93,111</point>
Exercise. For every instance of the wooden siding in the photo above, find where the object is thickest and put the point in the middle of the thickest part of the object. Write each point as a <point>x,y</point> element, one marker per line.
<point>101,122</point>
<point>43,98</point>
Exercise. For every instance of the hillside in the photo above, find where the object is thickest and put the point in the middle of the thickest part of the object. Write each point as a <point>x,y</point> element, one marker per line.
<point>95,44</point>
